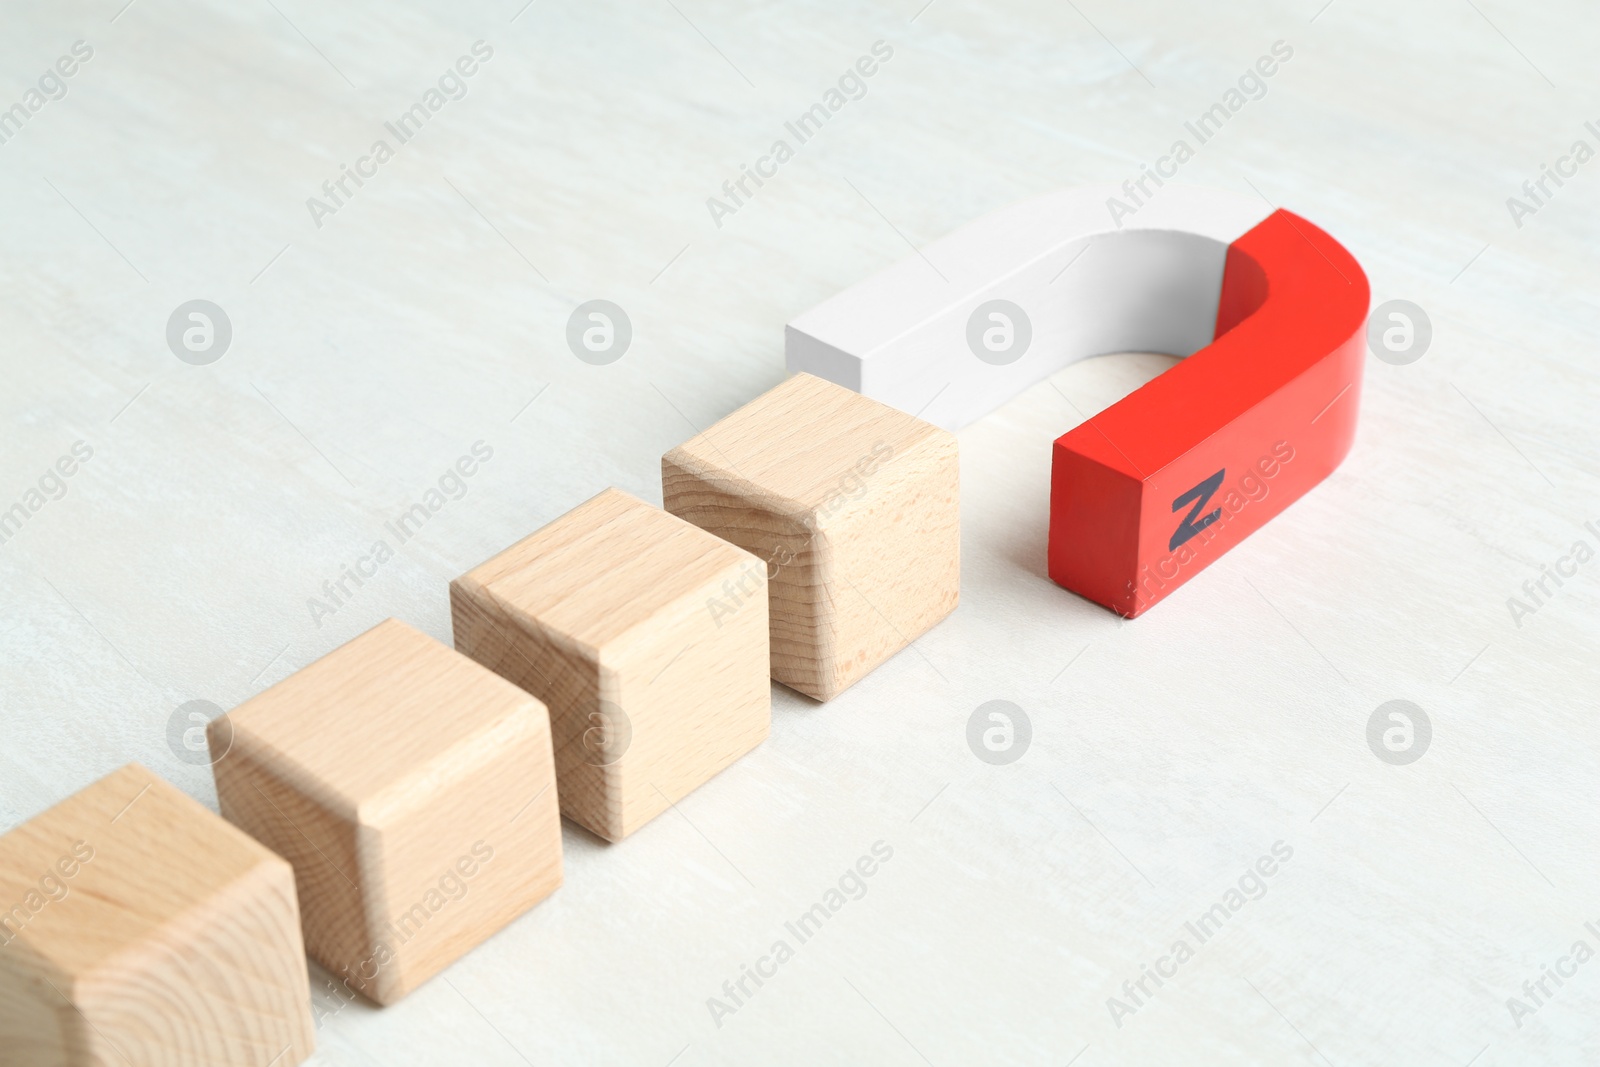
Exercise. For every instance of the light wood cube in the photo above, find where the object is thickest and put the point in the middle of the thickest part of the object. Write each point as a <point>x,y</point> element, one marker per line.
<point>854,508</point>
<point>607,614</point>
<point>139,928</point>
<point>414,793</point>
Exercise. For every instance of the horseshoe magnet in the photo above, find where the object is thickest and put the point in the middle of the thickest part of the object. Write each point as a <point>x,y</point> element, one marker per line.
<point>1267,309</point>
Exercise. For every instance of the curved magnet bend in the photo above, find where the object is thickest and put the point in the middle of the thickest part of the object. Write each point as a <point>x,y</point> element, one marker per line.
<point>1269,309</point>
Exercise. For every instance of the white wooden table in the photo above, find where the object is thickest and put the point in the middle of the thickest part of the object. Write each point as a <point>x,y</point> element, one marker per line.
<point>428,313</point>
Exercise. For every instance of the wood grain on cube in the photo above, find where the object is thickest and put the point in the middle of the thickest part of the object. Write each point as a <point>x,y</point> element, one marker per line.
<point>852,506</point>
<point>414,793</point>
<point>141,929</point>
<point>607,614</point>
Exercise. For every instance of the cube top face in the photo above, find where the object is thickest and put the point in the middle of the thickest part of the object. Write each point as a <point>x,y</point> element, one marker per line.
<point>373,729</point>
<point>605,573</point>
<point>141,856</point>
<point>808,448</point>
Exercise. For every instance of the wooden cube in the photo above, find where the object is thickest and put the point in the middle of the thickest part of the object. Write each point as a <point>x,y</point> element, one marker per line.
<point>609,614</point>
<point>852,505</point>
<point>412,790</point>
<point>139,928</point>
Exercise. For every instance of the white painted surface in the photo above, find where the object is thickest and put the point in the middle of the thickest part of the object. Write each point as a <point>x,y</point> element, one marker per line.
<point>1168,753</point>
<point>1076,278</point>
